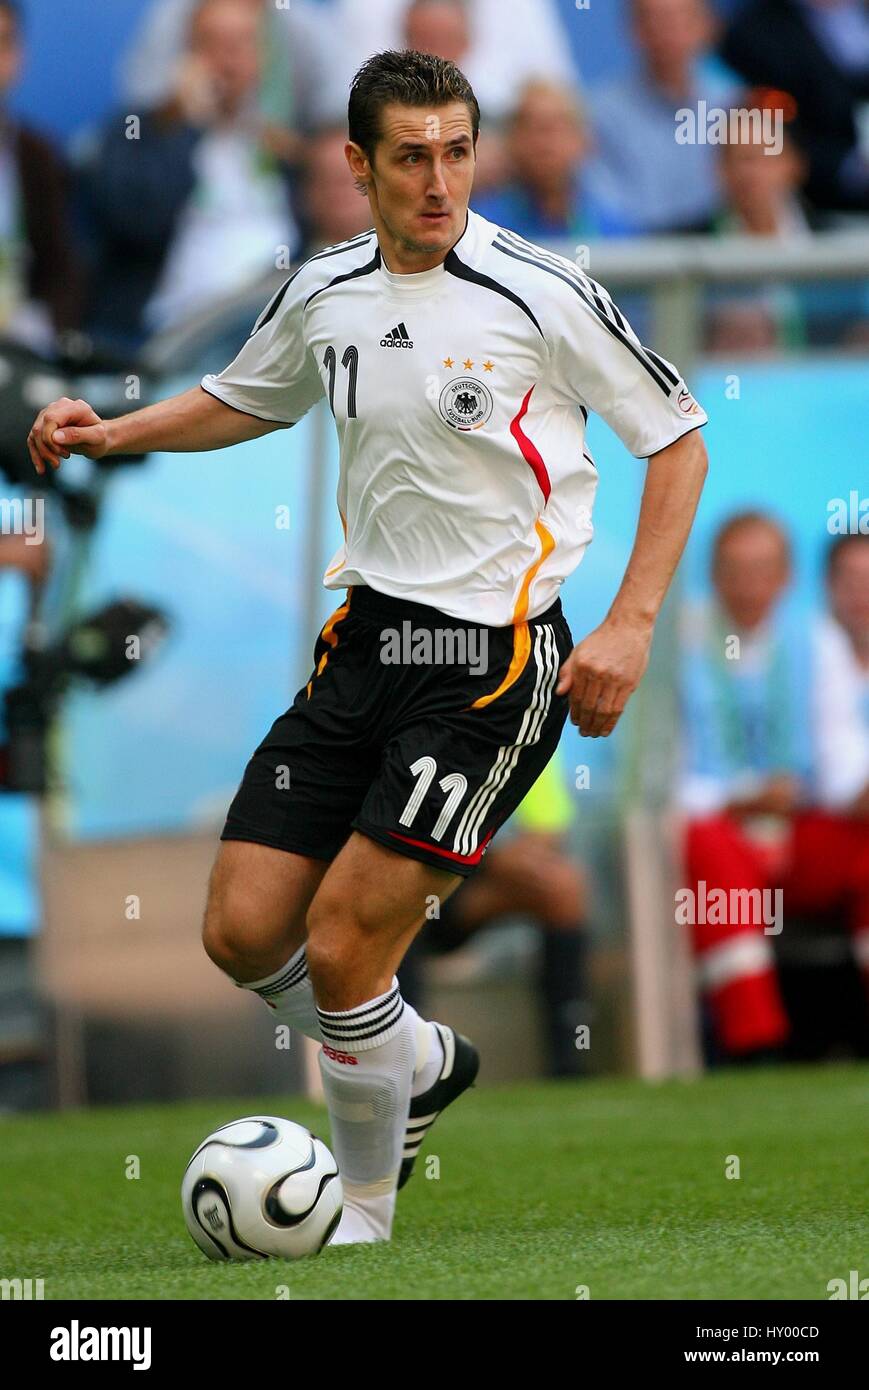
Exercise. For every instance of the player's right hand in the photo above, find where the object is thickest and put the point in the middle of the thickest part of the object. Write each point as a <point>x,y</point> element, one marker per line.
<point>66,427</point>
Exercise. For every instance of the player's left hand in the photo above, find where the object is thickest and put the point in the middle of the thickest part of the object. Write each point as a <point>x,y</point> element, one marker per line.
<point>602,672</point>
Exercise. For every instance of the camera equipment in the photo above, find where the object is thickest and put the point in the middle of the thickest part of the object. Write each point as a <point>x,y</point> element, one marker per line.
<point>110,643</point>
<point>100,649</point>
<point>28,382</point>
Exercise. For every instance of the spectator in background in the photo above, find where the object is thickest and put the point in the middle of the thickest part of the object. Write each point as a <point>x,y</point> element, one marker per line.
<point>745,769</point>
<point>508,45</point>
<point>40,279</point>
<point>761,192</point>
<point>443,27</point>
<point>817,51</point>
<point>762,188</point>
<point>754,771</point>
<point>831,842</point>
<point>841,713</point>
<point>331,207</point>
<point>763,198</point>
<point>646,180</point>
<point>291,51</point>
<point>546,145</point>
<point>528,873</point>
<point>195,204</point>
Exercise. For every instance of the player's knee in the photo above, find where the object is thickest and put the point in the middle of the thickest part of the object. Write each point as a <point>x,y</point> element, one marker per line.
<point>226,932</point>
<point>218,939</point>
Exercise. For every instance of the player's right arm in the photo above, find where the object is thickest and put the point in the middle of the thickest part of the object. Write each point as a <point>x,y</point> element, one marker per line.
<point>598,362</point>
<point>272,382</point>
<point>192,421</point>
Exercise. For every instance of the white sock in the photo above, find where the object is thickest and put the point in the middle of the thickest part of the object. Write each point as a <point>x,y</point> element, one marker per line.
<point>429,1056</point>
<point>290,995</point>
<point>366,1063</point>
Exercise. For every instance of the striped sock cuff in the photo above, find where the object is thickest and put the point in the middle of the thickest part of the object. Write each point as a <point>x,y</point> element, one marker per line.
<point>295,972</point>
<point>369,1025</point>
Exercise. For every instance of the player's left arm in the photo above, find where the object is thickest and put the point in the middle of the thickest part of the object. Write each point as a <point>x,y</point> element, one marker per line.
<point>604,670</point>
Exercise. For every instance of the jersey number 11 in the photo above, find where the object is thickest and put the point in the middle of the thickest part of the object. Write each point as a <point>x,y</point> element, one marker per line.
<point>351,360</point>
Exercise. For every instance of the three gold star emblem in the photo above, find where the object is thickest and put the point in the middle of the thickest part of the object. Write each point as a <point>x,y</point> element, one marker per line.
<point>468,364</point>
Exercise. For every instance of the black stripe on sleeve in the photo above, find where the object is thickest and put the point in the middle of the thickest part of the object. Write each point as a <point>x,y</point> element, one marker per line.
<point>662,366</point>
<point>454,266</point>
<point>349,245</point>
<point>579,277</point>
<point>276,302</point>
<point>638,353</point>
<point>611,306</point>
<point>365,269</point>
<point>272,308</point>
<point>587,285</point>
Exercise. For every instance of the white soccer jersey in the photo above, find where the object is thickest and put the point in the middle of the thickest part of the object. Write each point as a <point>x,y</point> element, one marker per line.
<point>460,396</point>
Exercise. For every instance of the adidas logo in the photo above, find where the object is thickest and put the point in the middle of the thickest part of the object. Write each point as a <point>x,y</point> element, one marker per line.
<point>397,338</point>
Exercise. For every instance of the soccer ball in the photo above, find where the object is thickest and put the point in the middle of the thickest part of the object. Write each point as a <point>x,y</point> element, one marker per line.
<point>261,1186</point>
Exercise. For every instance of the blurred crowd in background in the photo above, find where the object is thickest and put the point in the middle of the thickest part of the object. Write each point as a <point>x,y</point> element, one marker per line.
<point>228,146</point>
<point>225,161</point>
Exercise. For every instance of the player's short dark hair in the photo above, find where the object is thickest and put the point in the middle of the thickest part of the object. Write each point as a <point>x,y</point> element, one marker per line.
<point>839,544</point>
<point>410,79</point>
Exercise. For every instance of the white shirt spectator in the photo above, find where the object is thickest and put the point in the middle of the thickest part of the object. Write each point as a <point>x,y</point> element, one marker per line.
<point>841,717</point>
<point>148,68</point>
<point>22,319</point>
<point>327,43</point>
<point>235,225</point>
<point>509,45</point>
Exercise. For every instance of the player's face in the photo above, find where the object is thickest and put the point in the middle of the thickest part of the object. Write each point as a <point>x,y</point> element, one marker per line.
<point>751,571</point>
<point>849,590</point>
<point>420,182</point>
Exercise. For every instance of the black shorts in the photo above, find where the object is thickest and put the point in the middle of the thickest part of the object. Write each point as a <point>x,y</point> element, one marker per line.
<point>395,735</point>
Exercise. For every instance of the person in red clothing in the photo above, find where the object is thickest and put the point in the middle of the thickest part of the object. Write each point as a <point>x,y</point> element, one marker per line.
<point>841,737</point>
<point>758,846</point>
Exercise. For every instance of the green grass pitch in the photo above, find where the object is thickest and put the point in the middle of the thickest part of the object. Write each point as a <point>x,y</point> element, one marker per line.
<point>617,1185</point>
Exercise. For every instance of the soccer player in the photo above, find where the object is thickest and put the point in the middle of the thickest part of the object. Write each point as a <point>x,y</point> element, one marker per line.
<point>460,363</point>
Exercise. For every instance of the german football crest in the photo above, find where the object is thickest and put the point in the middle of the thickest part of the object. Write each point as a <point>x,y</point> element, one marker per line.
<point>466,403</point>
